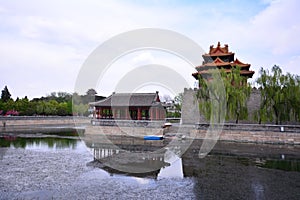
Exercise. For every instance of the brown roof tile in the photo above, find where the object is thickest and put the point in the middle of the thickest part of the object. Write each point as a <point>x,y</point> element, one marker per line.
<point>129,99</point>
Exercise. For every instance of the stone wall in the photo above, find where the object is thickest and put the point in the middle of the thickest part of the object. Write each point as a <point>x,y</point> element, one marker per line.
<point>122,130</point>
<point>273,134</point>
<point>190,108</point>
<point>253,103</point>
<point>268,137</point>
<point>40,121</point>
<point>128,123</point>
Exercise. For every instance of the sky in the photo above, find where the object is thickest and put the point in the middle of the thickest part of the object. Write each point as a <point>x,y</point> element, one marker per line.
<point>45,43</point>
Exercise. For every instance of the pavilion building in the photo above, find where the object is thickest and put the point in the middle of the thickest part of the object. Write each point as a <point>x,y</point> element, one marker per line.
<point>221,58</point>
<point>130,106</point>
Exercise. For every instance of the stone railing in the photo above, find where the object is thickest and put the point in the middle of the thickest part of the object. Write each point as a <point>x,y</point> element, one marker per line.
<point>253,127</point>
<point>127,123</point>
<point>7,118</point>
<point>41,120</point>
<point>173,120</point>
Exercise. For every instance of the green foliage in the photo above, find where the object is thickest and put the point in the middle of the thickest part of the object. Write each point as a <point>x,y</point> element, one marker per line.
<point>5,94</point>
<point>280,96</point>
<point>232,101</point>
<point>212,97</point>
<point>80,109</point>
<point>177,106</point>
<point>59,103</point>
<point>237,94</point>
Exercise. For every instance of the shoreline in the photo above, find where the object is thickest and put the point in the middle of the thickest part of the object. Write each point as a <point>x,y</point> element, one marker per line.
<point>238,133</point>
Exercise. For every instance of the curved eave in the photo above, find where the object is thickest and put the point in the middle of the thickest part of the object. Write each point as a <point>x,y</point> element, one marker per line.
<point>240,65</point>
<point>217,54</point>
<point>247,73</point>
<point>206,72</point>
<point>212,66</point>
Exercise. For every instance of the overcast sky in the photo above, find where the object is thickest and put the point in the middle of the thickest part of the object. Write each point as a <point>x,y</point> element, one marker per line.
<point>44,43</point>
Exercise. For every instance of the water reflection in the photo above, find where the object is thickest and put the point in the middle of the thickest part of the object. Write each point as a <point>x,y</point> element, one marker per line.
<point>42,143</point>
<point>230,171</point>
<point>174,170</point>
<point>168,163</point>
<point>286,165</point>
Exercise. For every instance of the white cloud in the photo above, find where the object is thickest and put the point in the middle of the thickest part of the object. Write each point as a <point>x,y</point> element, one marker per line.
<point>143,58</point>
<point>51,39</point>
<point>278,26</point>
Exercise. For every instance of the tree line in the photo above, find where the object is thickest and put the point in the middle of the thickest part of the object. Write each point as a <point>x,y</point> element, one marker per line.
<point>279,99</point>
<point>57,103</point>
<point>280,96</point>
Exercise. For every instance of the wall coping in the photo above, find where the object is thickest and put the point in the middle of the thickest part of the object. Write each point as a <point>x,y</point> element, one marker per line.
<point>253,127</point>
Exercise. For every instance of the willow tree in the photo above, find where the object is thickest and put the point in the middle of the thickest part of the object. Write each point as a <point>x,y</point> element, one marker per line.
<point>237,92</point>
<point>279,96</point>
<point>237,95</point>
<point>294,97</point>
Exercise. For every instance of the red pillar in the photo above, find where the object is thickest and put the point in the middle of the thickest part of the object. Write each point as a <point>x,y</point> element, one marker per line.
<point>113,113</point>
<point>100,113</point>
<point>157,113</point>
<point>139,117</point>
<point>151,113</point>
<point>126,113</point>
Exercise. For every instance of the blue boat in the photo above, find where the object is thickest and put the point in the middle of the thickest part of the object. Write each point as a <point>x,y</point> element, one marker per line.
<point>153,137</point>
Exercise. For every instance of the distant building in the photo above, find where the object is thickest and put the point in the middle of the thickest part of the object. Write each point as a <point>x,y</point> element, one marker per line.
<point>221,58</point>
<point>130,106</point>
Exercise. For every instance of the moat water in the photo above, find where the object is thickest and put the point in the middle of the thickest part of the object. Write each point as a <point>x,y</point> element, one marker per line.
<point>39,166</point>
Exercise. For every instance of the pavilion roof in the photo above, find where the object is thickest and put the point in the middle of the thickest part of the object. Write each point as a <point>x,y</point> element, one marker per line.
<point>129,99</point>
<point>220,63</point>
<point>221,58</point>
<point>237,62</point>
<point>218,51</point>
<point>216,63</point>
<point>207,72</point>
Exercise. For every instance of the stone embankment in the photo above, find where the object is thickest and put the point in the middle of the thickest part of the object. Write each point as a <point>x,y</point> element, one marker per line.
<point>123,130</point>
<point>30,124</point>
<point>254,133</point>
<point>42,120</point>
<point>272,134</point>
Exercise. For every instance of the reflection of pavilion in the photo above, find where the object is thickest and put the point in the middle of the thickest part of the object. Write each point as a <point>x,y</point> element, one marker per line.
<point>157,165</point>
<point>131,157</point>
<point>221,166</point>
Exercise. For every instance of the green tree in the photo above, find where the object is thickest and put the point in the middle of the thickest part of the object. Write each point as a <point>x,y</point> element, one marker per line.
<point>62,109</point>
<point>178,104</point>
<point>41,108</point>
<point>80,109</point>
<point>52,107</point>
<point>91,92</point>
<point>211,95</point>
<point>279,96</point>
<point>22,106</point>
<point>5,94</point>
<point>2,107</point>
<point>232,100</point>
<point>9,105</point>
<point>237,94</point>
